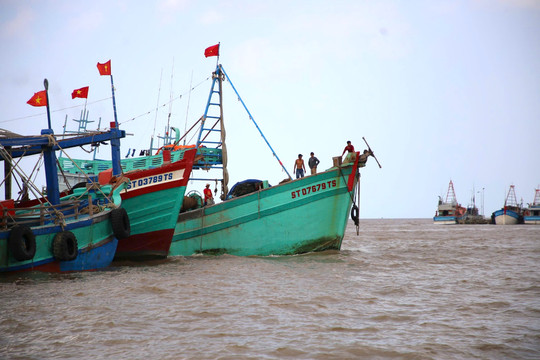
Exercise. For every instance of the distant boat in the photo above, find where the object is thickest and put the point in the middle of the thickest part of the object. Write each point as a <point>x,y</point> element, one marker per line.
<point>531,214</point>
<point>449,211</point>
<point>472,215</point>
<point>511,212</point>
<point>73,231</point>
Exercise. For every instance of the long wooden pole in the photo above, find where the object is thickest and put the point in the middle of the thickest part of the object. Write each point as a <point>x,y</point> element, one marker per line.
<point>372,153</point>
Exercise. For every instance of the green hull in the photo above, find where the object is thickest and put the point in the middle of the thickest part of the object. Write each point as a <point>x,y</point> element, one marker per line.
<point>152,211</point>
<point>305,215</point>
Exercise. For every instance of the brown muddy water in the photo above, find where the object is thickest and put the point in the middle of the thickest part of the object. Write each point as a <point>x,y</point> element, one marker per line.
<point>402,289</point>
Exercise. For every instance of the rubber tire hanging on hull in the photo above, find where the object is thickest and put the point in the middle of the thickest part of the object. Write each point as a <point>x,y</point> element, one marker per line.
<point>354,214</point>
<point>65,246</point>
<point>22,243</point>
<point>120,223</point>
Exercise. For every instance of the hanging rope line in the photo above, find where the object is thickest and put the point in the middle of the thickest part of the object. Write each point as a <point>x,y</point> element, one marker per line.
<point>53,111</point>
<point>167,103</point>
<point>108,98</point>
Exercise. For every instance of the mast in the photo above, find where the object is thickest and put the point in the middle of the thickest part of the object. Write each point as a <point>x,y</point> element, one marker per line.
<point>209,113</point>
<point>451,194</point>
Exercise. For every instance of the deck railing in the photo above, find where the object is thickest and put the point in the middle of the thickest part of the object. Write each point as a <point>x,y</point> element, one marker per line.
<point>211,156</point>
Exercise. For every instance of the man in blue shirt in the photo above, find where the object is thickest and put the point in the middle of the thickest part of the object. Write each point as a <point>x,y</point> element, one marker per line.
<point>313,162</point>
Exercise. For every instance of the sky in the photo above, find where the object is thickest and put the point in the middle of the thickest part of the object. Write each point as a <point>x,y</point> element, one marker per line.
<point>442,90</point>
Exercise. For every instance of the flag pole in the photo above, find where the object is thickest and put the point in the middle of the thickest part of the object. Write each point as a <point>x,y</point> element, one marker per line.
<point>115,143</point>
<point>114,102</point>
<point>219,49</point>
<point>46,84</point>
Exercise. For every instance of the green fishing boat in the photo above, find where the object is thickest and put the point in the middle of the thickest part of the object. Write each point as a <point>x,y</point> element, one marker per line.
<point>296,216</point>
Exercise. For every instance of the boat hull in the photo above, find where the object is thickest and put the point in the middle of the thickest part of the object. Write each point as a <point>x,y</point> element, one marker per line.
<point>506,217</point>
<point>95,240</point>
<point>531,215</point>
<point>305,215</point>
<point>152,200</point>
<point>531,220</point>
<point>444,220</point>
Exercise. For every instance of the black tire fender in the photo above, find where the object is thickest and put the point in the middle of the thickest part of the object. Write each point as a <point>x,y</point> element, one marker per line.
<point>65,246</point>
<point>22,243</point>
<point>120,223</point>
<point>354,214</point>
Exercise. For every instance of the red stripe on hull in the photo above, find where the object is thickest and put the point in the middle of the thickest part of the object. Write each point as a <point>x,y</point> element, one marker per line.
<point>147,246</point>
<point>51,267</point>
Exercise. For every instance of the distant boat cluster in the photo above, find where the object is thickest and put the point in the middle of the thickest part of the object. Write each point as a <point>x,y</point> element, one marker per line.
<point>449,211</point>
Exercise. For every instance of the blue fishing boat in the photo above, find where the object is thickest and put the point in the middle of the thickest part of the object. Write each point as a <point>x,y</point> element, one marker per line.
<point>531,214</point>
<point>511,212</point>
<point>57,232</point>
<point>449,211</point>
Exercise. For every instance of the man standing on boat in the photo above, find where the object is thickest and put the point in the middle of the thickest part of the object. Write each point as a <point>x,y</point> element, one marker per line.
<point>208,198</point>
<point>299,167</point>
<point>313,162</point>
<point>351,155</point>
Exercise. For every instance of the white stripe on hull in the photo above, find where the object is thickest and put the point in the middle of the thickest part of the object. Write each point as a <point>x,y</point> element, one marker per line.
<point>444,222</point>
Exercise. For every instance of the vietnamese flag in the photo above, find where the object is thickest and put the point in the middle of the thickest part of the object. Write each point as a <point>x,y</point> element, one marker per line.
<point>39,99</point>
<point>212,51</point>
<point>80,93</point>
<point>104,69</point>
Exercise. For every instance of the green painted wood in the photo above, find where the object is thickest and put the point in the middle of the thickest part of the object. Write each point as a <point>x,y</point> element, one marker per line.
<point>152,211</point>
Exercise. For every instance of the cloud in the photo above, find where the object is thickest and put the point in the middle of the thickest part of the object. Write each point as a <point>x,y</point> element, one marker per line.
<point>521,4</point>
<point>173,5</point>
<point>87,21</point>
<point>211,17</point>
<point>19,25</point>
<point>168,9</point>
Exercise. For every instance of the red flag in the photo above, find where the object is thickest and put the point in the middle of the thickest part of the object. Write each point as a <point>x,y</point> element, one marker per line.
<point>80,93</point>
<point>39,99</point>
<point>104,69</point>
<point>212,51</point>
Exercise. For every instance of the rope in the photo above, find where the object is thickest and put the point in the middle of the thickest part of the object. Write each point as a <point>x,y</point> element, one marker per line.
<point>20,172</point>
<point>87,178</point>
<point>95,209</point>
<point>165,104</point>
<point>53,111</point>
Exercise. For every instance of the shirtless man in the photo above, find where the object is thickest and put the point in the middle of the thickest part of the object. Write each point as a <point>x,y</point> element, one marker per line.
<point>299,167</point>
